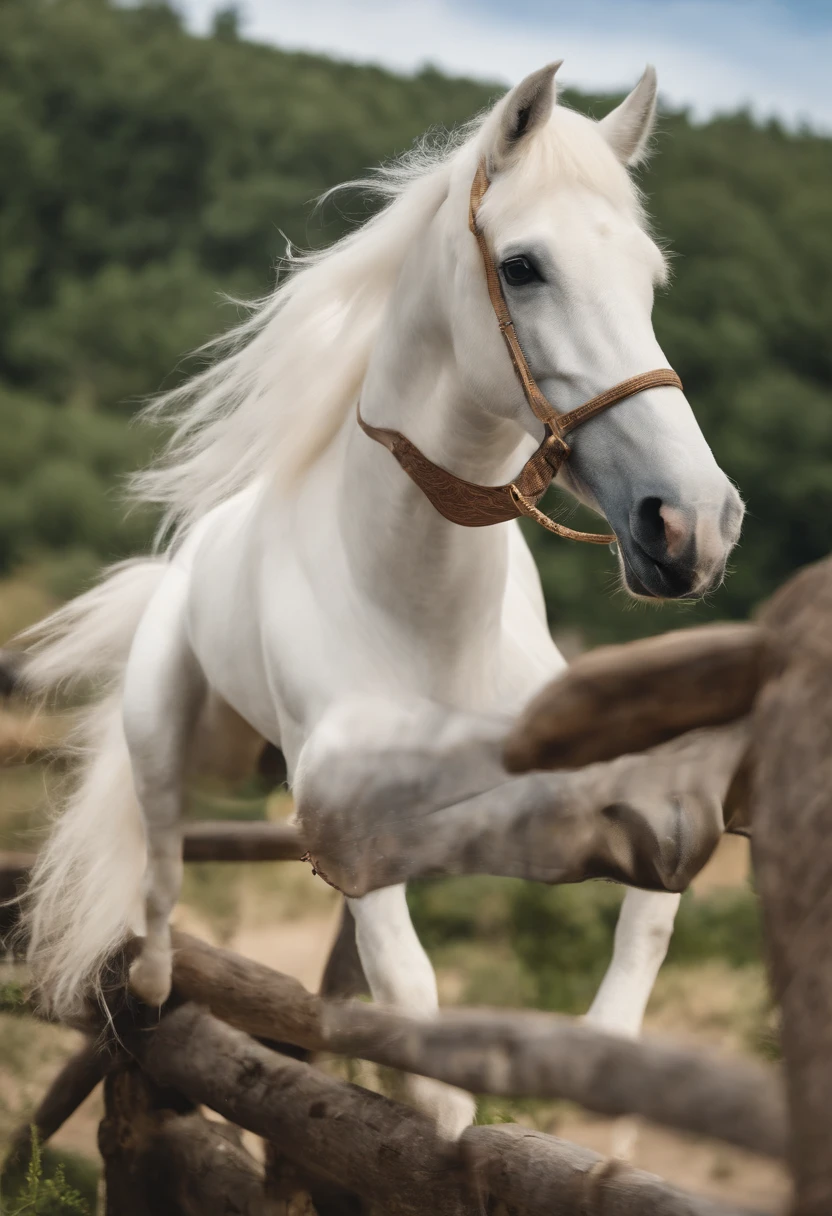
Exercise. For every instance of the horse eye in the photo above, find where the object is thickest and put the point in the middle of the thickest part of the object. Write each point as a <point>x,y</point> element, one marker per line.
<point>518,271</point>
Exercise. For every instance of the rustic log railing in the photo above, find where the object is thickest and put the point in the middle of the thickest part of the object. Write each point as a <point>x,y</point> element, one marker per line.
<point>517,1054</point>
<point>355,1150</point>
<point>204,1050</point>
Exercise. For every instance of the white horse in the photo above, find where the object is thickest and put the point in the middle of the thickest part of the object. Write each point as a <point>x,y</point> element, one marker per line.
<point>309,578</point>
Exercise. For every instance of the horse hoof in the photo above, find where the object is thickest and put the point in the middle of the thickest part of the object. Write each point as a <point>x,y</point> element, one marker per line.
<point>150,977</point>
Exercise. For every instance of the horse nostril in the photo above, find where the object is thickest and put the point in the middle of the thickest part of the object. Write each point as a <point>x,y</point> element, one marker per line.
<point>662,531</point>
<point>647,526</point>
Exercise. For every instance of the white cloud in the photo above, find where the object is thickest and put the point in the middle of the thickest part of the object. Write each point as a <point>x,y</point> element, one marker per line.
<point>713,57</point>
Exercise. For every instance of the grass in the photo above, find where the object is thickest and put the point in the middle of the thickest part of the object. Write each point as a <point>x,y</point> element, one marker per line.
<point>12,996</point>
<point>31,1052</point>
<point>52,1184</point>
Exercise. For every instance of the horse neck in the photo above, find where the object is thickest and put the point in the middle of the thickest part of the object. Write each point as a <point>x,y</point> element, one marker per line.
<point>433,575</point>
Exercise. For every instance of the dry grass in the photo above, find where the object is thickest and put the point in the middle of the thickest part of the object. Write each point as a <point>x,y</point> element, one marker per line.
<point>712,1004</point>
<point>23,600</point>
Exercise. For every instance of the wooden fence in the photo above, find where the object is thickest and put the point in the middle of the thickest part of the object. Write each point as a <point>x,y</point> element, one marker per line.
<point>237,1037</point>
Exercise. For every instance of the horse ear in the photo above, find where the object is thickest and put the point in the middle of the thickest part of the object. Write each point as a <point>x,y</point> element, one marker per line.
<point>527,106</point>
<point>627,129</point>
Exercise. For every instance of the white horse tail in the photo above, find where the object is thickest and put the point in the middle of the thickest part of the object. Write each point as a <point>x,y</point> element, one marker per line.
<point>85,894</point>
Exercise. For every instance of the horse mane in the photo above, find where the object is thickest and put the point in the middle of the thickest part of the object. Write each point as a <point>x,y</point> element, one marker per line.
<point>284,379</point>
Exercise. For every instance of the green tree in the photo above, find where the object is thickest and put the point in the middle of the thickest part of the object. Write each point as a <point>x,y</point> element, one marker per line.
<point>148,174</point>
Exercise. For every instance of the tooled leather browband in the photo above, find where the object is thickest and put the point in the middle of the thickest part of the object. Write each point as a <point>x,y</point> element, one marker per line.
<point>475,506</point>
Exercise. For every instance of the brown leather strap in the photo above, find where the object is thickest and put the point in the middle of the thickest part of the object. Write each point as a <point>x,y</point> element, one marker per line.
<point>662,377</point>
<point>464,502</point>
<point>551,525</point>
<point>475,506</point>
<point>537,400</point>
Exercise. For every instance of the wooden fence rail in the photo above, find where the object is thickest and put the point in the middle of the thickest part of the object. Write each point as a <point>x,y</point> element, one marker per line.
<point>212,840</point>
<point>388,1155</point>
<point>517,1054</point>
<point>388,1158</point>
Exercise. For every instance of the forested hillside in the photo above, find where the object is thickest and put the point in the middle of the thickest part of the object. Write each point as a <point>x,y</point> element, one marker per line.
<point>146,171</point>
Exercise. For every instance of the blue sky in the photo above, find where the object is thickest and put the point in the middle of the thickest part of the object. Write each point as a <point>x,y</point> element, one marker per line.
<point>712,55</point>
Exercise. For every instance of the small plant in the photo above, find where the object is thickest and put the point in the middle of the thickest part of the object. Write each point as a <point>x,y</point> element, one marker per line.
<point>42,1196</point>
<point>12,997</point>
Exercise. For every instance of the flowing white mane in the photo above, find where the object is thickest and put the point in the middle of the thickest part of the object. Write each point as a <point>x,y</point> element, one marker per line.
<point>288,375</point>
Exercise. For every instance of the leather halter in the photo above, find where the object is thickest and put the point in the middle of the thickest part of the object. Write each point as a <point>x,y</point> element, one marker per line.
<point>475,506</point>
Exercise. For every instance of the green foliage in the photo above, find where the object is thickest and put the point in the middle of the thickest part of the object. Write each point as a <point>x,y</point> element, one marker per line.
<point>147,172</point>
<point>45,1189</point>
<point>561,937</point>
<point>12,997</point>
<point>724,925</point>
<point>451,910</point>
<point>226,23</point>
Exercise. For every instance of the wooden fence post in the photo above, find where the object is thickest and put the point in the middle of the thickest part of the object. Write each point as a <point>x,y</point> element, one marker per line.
<point>792,848</point>
<point>163,1158</point>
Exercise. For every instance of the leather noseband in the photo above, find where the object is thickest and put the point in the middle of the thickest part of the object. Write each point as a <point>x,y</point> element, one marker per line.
<point>475,506</point>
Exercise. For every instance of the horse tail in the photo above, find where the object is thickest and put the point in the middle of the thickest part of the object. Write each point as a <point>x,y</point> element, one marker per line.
<point>85,892</point>
<point>84,895</point>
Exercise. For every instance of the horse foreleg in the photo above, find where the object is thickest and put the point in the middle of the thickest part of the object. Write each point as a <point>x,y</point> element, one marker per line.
<point>399,973</point>
<point>642,936</point>
<point>454,756</point>
<point>162,694</point>
<point>645,923</point>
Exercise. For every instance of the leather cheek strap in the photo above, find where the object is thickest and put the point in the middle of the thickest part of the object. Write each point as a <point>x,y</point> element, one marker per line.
<point>662,377</point>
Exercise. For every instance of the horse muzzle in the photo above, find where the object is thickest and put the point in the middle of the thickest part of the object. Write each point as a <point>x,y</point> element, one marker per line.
<point>678,553</point>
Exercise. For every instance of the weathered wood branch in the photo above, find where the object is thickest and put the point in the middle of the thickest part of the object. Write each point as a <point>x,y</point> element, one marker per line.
<point>73,1084</point>
<point>344,975</point>
<point>210,840</point>
<point>161,1156</point>
<point>535,1173</point>
<point>349,1136</point>
<point>224,840</point>
<point>792,848</point>
<point>291,1190</point>
<point>621,699</point>
<point>14,868</point>
<point>651,820</point>
<point>384,1152</point>
<point>10,668</point>
<point>254,998</point>
<point>201,1168</point>
<point>546,1056</point>
<point>512,1054</point>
